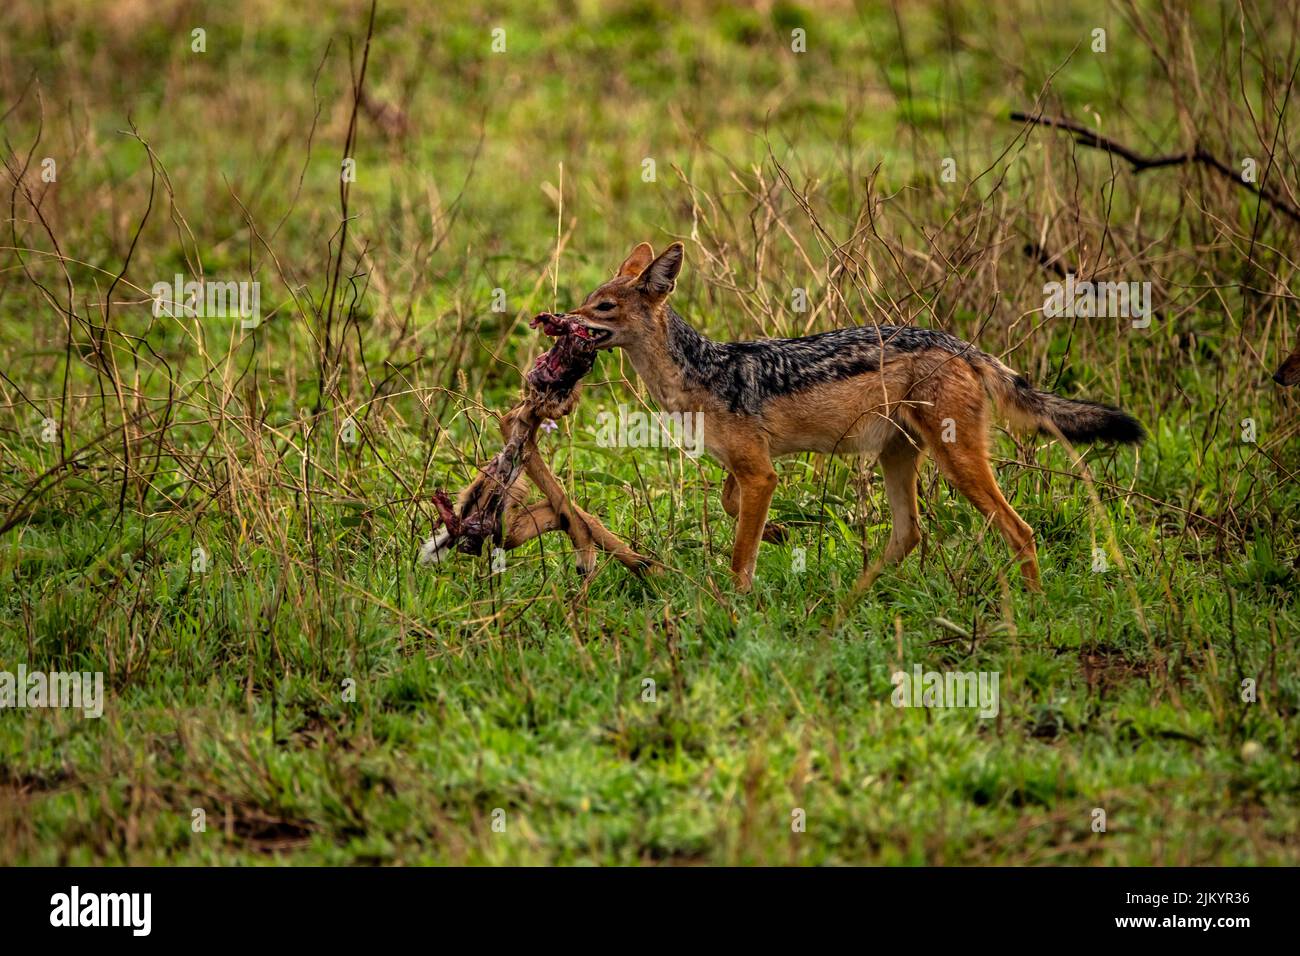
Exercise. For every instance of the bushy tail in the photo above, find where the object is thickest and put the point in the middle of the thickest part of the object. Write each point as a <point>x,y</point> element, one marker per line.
<point>1076,420</point>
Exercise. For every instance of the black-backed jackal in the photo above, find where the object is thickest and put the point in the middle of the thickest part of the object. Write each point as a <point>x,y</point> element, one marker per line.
<point>887,391</point>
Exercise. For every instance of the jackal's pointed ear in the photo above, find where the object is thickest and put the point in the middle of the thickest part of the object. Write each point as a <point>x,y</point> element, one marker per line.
<point>635,264</point>
<point>660,276</point>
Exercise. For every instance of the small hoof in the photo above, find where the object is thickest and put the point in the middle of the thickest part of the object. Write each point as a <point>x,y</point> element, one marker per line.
<point>641,565</point>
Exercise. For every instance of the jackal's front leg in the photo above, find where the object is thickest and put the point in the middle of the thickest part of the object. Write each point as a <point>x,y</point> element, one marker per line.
<point>756,482</point>
<point>772,532</point>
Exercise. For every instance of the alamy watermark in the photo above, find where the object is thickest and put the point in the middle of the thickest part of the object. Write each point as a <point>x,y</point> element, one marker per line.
<point>946,689</point>
<point>633,428</point>
<point>208,299</point>
<point>82,691</point>
<point>1087,300</point>
<point>130,910</point>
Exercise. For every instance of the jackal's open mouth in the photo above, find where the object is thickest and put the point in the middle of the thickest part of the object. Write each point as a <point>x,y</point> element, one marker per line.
<point>558,326</point>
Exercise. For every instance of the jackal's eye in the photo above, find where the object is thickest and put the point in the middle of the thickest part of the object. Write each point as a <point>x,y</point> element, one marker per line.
<point>606,307</point>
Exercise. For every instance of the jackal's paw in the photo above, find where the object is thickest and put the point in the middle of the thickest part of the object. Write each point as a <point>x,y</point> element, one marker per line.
<point>775,533</point>
<point>744,582</point>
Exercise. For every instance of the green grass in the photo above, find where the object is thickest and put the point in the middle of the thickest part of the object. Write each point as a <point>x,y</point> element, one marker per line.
<point>323,700</point>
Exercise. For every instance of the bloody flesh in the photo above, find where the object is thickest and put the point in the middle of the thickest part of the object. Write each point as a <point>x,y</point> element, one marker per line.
<point>558,369</point>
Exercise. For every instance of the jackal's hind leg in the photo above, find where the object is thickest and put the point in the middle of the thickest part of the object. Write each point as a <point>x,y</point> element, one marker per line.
<point>969,469</point>
<point>900,462</point>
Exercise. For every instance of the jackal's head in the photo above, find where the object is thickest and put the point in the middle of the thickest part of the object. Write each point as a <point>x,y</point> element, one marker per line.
<point>628,309</point>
